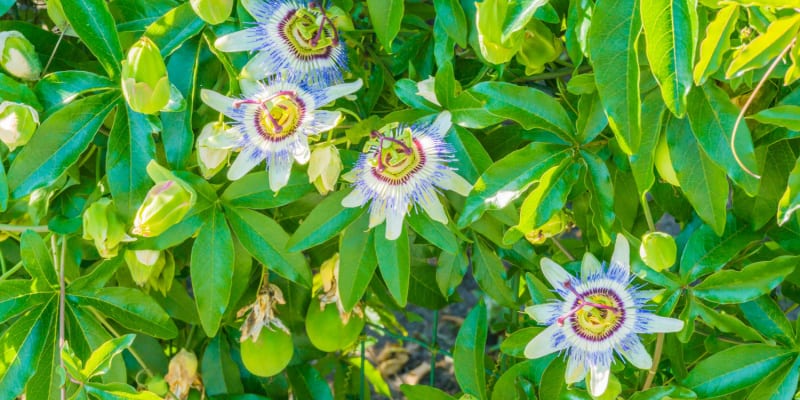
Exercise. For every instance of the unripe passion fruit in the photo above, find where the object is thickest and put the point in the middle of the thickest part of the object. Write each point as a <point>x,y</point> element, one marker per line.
<point>658,250</point>
<point>326,330</point>
<point>268,355</point>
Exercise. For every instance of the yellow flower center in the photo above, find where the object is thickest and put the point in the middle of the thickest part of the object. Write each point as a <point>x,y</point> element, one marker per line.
<point>598,321</point>
<point>397,158</point>
<point>310,32</point>
<point>279,116</point>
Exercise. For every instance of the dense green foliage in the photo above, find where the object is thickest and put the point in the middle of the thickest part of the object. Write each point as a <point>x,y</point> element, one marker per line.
<point>132,266</point>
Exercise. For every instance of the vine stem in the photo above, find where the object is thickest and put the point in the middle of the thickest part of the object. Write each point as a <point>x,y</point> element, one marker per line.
<point>55,49</point>
<point>562,248</point>
<point>749,102</point>
<point>651,374</point>
<point>23,228</point>
<point>62,341</point>
<point>434,336</point>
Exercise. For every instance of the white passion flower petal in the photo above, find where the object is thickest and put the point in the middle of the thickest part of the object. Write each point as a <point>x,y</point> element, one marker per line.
<point>404,167</point>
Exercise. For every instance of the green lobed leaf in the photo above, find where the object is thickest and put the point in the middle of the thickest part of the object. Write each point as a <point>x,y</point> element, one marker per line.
<point>324,222</point>
<point>357,261</point>
<point>252,191</point>
<point>17,296</point>
<point>787,116</point>
<point>766,47</point>
<point>642,160</point>
<point>790,201</point>
<point>781,384</point>
<point>130,307</point>
<point>130,149</point>
<point>514,345</point>
<point>394,263</point>
<point>768,318</point>
<point>670,27</point>
<point>183,69</point>
<point>704,184</point>
<point>734,369</point>
<point>527,106</point>
<point>490,274</point>
<point>23,342</point>
<point>220,373</point>
<point>716,43</point>
<point>59,88</point>
<point>173,28</point>
<point>591,117</point>
<point>93,23</point>
<point>598,181</point>
<point>613,36</point>
<point>386,16</point>
<point>506,179</point>
<point>212,271</point>
<point>754,280</point>
<point>37,259</point>
<point>58,143</point>
<point>518,15</point>
<point>266,241</point>
<point>712,117</point>
<point>307,383</point>
<point>100,361</point>
<point>453,20</point>
<point>549,196</point>
<point>450,271</point>
<point>665,392</point>
<point>435,232</point>
<point>706,252</point>
<point>469,352</point>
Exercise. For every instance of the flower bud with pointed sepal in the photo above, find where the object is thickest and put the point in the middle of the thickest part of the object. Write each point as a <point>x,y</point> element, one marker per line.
<point>18,56</point>
<point>211,157</point>
<point>144,78</point>
<point>17,123</point>
<point>539,47</point>
<point>165,204</point>
<point>324,168</point>
<point>658,250</point>
<point>213,12</point>
<point>102,225</point>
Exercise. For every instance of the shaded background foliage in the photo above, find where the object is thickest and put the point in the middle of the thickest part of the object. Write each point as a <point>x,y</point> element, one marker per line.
<point>575,120</point>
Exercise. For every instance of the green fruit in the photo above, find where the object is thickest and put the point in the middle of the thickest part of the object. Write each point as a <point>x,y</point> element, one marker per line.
<point>658,250</point>
<point>326,330</point>
<point>268,355</point>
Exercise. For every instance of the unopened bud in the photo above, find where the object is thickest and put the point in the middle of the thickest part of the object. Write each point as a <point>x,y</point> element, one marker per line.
<point>539,47</point>
<point>560,222</point>
<point>17,123</point>
<point>211,157</point>
<point>101,225</point>
<point>157,385</point>
<point>658,250</point>
<point>144,78</point>
<point>212,11</point>
<point>18,56</point>
<point>143,264</point>
<point>165,205</point>
<point>341,19</point>
<point>324,168</point>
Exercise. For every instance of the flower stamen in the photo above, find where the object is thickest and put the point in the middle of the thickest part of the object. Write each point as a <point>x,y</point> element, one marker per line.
<point>581,302</point>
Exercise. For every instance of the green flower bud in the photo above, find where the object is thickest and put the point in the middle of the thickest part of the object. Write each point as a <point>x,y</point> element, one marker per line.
<point>101,224</point>
<point>144,263</point>
<point>210,157</point>
<point>165,204</point>
<point>341,19</point>
<point>658,250</point>
<point>18,56</point>
<point>324,168</point>
<point>144,78</point>
<point>17,123</point>
<point>560,222</point>
<point>539,47</point>
<point>151,268</point>
<point>212,11</point>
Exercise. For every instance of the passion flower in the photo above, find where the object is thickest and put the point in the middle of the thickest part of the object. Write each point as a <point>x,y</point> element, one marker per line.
<point>405,166</point>
<point>601,314</point>
<point>289,35</point>
<point>273,121</point>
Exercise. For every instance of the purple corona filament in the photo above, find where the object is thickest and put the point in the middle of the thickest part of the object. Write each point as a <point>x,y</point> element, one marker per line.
<point>325,19</point>
<point>579,304</point>
<point>381,137</point>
